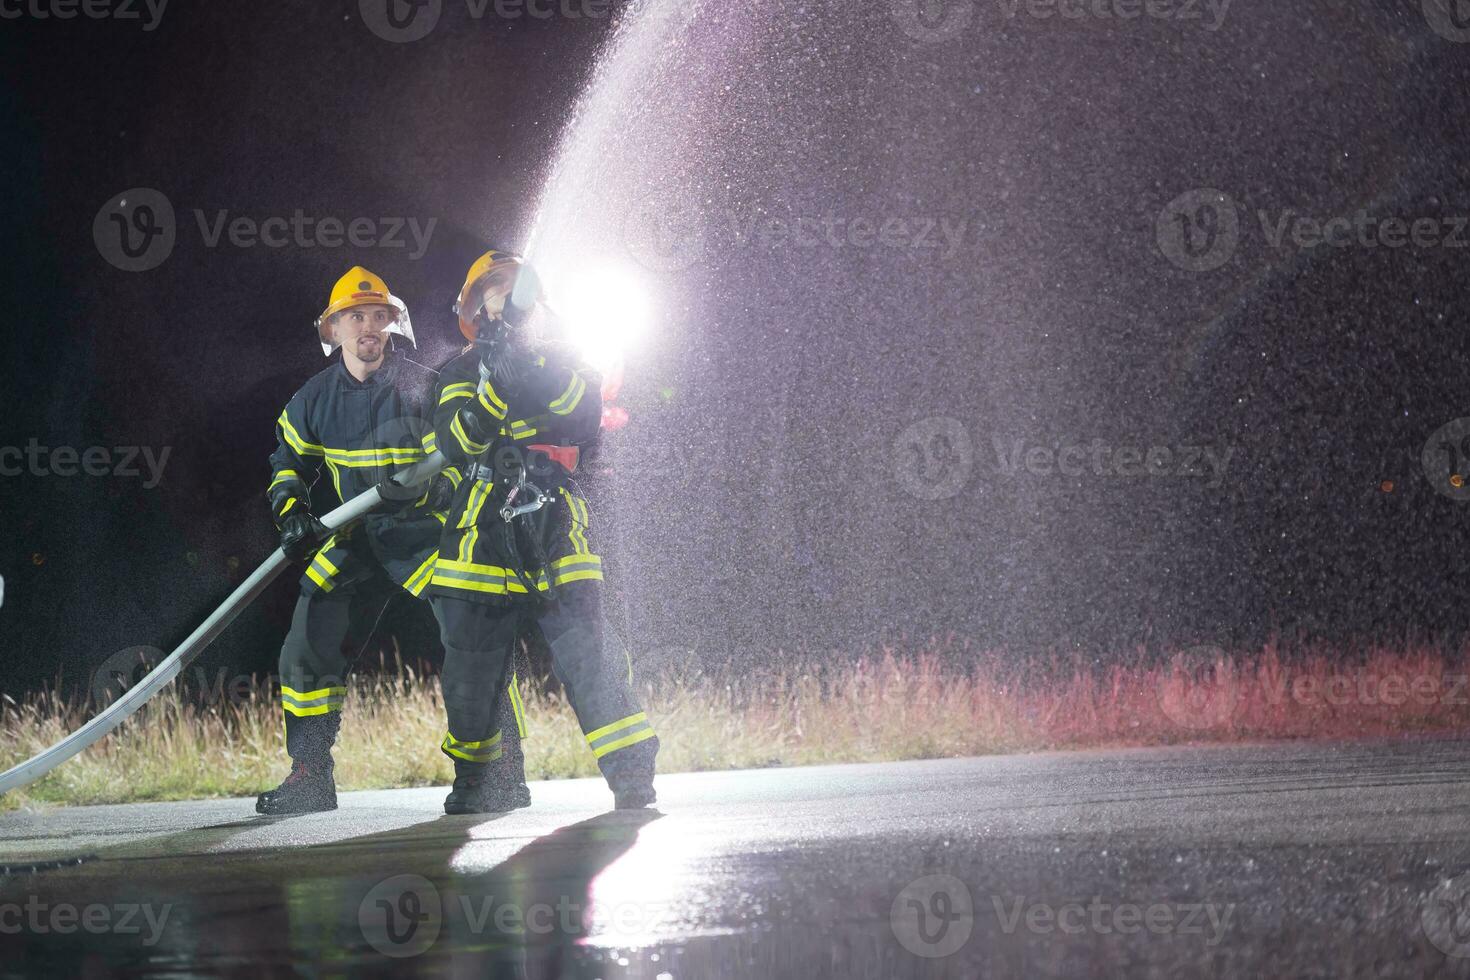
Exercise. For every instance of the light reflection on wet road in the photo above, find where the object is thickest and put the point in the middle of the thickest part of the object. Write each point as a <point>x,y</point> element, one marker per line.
<point>1300,860</point>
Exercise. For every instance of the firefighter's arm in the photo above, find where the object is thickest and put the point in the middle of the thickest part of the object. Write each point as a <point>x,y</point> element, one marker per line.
<point>294,464</point>
<point>468,413</point>
<point>562,402</point>
<point>294,467</point>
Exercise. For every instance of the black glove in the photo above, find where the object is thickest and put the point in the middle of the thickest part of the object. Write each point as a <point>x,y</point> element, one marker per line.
<point>440,495</point>
<point>396,497</point>
<point>501,358</point>
<point>302,534</point>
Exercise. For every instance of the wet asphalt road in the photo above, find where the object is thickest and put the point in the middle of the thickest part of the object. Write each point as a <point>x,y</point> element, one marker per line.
<point>1285,861</point>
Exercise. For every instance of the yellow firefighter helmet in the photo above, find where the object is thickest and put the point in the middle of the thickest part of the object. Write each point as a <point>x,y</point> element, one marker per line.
<point>359,287</point>
<point>493,264</point>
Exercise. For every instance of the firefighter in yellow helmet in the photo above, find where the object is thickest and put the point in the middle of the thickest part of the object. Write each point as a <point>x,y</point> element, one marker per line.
<point>519,416</point>
<point>367,415</point>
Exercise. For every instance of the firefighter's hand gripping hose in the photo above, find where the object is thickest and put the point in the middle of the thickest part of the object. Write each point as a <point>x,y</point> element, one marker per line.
<point>135,697</point>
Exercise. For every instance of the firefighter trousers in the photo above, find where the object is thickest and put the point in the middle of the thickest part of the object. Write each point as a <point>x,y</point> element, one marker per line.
<point>478,641</point>
<point>314,665</point>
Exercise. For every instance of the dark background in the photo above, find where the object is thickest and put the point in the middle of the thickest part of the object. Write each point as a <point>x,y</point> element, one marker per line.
<point>763,499</point>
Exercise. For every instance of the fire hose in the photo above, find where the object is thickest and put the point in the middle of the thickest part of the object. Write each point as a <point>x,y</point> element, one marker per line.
<point>170,667</point>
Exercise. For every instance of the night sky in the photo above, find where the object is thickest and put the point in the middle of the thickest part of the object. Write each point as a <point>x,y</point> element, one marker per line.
<point>846,427</point>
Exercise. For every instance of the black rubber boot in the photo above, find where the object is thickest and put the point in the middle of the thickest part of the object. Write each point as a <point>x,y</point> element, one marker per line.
<point>635,797</point>
<point>309,789</point>
<point>629,774</point>
<point>478,788</point>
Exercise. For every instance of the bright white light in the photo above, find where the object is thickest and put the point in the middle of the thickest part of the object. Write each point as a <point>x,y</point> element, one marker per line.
<point>605,312</point>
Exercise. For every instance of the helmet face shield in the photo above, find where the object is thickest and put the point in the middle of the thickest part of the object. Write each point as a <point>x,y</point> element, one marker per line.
<point>401,325</point>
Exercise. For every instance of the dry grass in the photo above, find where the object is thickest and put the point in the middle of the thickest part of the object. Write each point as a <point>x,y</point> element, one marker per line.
<point>884,708</point>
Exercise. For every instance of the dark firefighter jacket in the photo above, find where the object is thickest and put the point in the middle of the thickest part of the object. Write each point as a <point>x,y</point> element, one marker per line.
<point>557,406</point>
<point>362,431</point>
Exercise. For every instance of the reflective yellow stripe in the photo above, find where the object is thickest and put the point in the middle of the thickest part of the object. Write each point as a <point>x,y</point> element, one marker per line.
<point>622,743</point>
<point>310,712</point>
<point>301,705</point>
<point>517,706</point>
<point>325,562</point>
<point>282,477</point>
<point>579,520</point>
<point>470,447</point>
<point>387,456</point>
<point>591,574</point>
<point>487,751</point>
<point>491,400</point>
<point>617,726</point>
<point>464,389</point>
<point>289,504</point>
<point>294,440</point>
<point>571,397</point>
<point>522,430</point>
<point>325,692</point>
<point>336,478</point>
<point>431,442</point>
<point>327,585</point>
<point>421,577</point>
